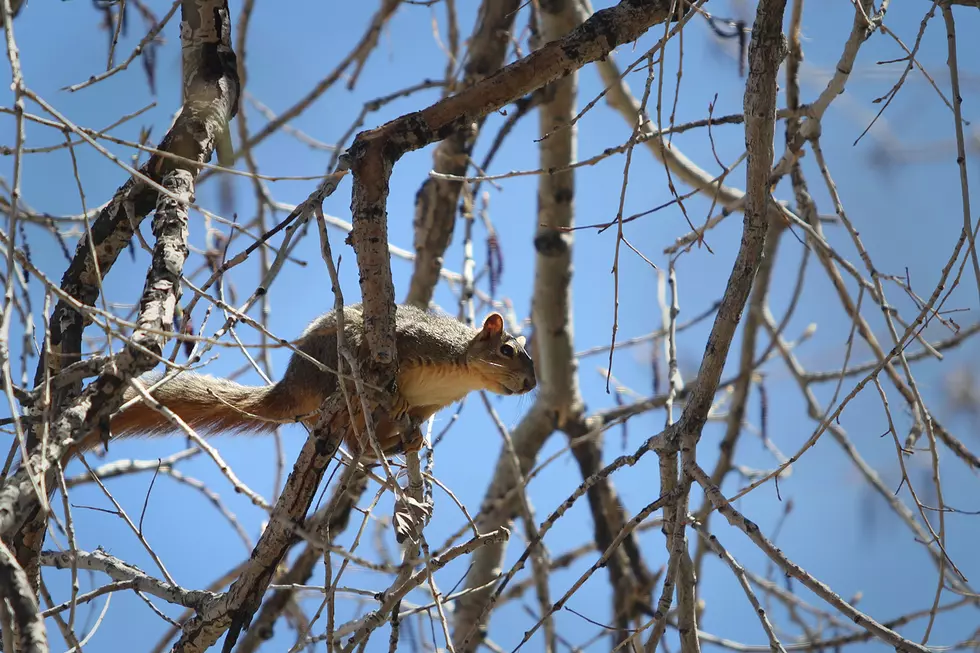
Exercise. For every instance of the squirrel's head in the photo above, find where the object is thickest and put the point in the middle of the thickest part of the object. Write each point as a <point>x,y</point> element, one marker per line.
<point>501,359</point>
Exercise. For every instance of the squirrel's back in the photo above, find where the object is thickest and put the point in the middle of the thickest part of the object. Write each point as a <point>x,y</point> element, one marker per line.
<point>420,335</point>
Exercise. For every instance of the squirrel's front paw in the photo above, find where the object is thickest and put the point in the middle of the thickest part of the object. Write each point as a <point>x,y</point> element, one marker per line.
<point>414,441</point>
<point>404,442</point>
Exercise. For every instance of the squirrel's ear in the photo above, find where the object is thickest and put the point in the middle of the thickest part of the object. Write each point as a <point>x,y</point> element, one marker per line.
<point>493,326</point>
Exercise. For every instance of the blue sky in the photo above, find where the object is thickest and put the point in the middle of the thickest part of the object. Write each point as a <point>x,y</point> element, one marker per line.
<point>909,215</point>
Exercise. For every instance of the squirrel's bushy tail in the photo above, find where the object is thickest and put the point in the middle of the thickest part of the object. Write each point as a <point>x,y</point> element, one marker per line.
<point>208,405</point>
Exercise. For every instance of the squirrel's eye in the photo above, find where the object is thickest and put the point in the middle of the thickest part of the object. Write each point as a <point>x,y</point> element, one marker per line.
<point>507,351</point>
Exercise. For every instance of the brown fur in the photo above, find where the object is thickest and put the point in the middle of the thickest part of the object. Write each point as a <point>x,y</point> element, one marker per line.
<point>441,360</point>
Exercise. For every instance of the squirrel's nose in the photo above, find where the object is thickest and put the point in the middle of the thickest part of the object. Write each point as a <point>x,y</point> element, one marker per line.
<point>529,384</point>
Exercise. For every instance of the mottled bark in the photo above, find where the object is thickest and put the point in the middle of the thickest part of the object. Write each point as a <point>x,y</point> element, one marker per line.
<point>25,621</point>
<point>18,500</point>
<point>211,100</point>
<point>211,97</point>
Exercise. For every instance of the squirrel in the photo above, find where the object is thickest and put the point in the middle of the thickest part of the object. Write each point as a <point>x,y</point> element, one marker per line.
<point>440,361</point>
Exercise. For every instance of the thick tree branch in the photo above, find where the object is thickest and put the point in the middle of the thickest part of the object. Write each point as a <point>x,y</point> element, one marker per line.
<point>559,401</point>
<point>210,102</point>
<point>435,203</point>
<point>375,152</point>
<point>766,52</point>
<point>234,611</point>
<point>328,524</point>
<point>16,590</point>
<point>211,97</point>
<point>19,502</point>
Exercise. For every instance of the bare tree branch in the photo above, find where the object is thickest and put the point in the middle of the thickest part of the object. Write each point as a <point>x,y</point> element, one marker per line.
<point>435,203</point>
